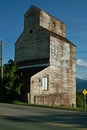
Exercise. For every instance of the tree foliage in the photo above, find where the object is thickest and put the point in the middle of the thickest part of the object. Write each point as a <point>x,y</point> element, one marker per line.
<point>12,85</point>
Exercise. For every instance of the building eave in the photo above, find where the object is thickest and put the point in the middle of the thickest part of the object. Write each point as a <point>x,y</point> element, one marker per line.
<point>33,66</point>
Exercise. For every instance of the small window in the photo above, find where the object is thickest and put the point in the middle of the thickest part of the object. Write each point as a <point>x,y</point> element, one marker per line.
<point>53,24</point>
<point>31,31</point>
<point>45,83</point>
<point>40,82</point>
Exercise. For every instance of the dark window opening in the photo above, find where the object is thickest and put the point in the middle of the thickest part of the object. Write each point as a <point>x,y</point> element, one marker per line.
<point>53,24</point>
<point>31,31</point>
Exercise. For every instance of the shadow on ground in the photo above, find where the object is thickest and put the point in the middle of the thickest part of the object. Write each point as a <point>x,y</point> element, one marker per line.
<point>78,119</point>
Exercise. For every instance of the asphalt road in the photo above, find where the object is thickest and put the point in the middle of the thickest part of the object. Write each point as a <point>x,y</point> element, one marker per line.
<point>18,117</point>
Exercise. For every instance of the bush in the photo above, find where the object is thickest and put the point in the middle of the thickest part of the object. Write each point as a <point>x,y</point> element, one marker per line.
<point>80,100</point>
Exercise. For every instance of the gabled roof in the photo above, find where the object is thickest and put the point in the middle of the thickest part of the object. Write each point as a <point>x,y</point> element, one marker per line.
<point>61,38</point>
<point>35,8</point>
<point>32,8</point>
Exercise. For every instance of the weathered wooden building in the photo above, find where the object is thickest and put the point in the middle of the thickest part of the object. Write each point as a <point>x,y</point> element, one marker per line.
<point>47,60</point>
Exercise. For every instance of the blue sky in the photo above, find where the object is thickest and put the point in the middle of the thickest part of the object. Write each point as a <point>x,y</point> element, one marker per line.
<point>72,12</point>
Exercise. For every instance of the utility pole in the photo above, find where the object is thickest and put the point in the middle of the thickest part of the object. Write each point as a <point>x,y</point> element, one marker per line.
<point>1,70</point>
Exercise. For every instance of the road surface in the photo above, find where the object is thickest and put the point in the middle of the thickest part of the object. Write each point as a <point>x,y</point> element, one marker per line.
<point>18,117</point>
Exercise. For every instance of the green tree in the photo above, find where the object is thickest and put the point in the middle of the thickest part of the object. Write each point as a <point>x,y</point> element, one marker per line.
<point>79,100</point>
<point>12,85</point>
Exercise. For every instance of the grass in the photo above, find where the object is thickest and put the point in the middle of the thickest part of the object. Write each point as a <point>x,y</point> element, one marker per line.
<point>46,106</point>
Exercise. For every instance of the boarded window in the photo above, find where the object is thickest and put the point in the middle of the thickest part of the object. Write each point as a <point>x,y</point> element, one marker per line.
<point>66,52</point>
<point>56,49</point>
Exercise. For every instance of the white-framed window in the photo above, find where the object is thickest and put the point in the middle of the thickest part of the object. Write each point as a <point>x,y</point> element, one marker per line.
<point>45,83</point>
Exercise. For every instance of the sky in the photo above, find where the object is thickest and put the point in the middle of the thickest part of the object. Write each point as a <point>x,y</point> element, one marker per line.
<point>72,12</point>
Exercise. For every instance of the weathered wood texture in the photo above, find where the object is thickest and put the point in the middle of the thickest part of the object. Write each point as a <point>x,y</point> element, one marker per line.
<point>32,45</point>
<point>52,24</point>
<point>42,43</point>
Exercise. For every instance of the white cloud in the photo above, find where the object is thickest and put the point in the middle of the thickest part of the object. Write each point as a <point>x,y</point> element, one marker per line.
<point>82,76</point>
<point>81,62</point>
<point>81,69</point>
